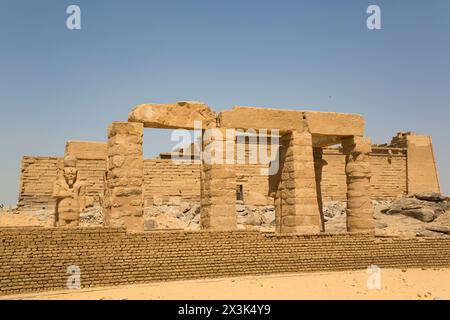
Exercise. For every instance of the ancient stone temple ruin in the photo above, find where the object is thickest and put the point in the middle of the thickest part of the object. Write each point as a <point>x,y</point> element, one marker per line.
<point>315,156</point>
<point>295,162</point>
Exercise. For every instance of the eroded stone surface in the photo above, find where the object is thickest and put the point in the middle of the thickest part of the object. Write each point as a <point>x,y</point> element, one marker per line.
<point>86,150</point>
<point>297,209</point>
<point>261,118</point>
<point>124,197</point>
<point>357,169</point>
<point>69,193</point>
<point>217,184</point>
<point>315,122</point>
<point>181,115</point>
<point>334,124</point>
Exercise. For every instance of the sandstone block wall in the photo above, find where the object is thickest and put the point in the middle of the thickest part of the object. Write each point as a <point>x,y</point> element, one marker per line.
<point>254,184</point>
<point>36,182</point>
<point>422,171</point>
<point>164,179</point>
<point>388,174</point>
<point>92,173</point>
<point>333,183</point>
<point>36,259</point>
<point>39,174</point>
<point>90,150</point>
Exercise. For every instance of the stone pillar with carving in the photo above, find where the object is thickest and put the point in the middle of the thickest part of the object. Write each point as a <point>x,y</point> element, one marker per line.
<point>357,169</point>
<point>297,187</point>
<point>218,180</point>
<point>124,195</point>
<point>69,193</point>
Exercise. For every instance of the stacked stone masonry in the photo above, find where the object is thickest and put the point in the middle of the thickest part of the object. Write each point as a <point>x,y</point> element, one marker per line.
<point>36,182</point>
<point>165,179</point>
<point>36,259</point>
<point>358,172</point>
<point>218,181</point>
<point>296,196</point>
<point>124,200</point>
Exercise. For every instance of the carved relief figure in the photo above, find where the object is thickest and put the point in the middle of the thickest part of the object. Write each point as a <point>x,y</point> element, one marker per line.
<point>70,194</point>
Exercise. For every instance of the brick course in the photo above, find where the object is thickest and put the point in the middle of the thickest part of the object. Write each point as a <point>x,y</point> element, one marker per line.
<point>36,259</point>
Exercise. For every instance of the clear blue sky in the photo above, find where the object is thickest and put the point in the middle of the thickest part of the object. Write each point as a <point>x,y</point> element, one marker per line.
<point>57,85</point>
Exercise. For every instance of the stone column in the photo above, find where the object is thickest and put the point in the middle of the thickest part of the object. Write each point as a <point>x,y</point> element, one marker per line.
<point>297,187</point>
<point>124,196</point>
<point>218,180</point>
<point>357,169</point>
<point>318,165</point>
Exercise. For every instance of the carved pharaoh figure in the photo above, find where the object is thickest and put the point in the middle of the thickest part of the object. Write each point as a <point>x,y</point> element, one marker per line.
<point>69,194</point>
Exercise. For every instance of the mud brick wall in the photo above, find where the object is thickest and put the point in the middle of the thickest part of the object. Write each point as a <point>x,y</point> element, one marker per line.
<point>36,259</point>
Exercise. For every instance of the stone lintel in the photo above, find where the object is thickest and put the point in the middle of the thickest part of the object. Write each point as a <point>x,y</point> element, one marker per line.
<point>315,122</point>
<point>180,115</point>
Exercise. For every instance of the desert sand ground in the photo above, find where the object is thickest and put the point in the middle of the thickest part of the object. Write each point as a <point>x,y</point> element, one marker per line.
<point>395,284</point>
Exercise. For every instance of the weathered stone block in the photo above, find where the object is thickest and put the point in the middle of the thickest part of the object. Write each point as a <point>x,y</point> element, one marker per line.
<point>181,115</point>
